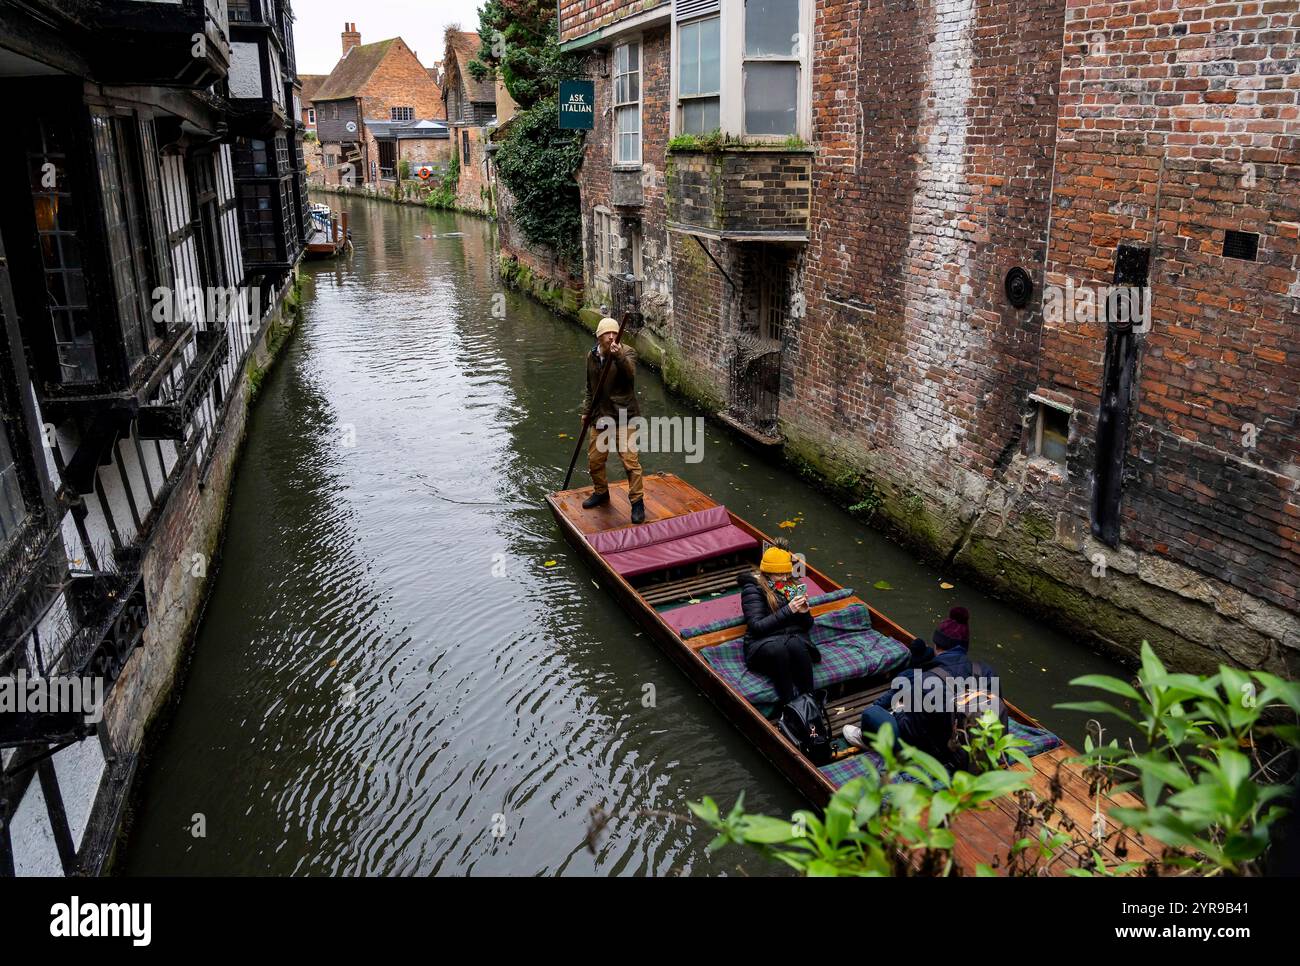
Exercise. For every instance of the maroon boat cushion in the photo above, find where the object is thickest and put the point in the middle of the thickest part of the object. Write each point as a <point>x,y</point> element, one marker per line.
<point>671,543</point>
<point>632,538</point>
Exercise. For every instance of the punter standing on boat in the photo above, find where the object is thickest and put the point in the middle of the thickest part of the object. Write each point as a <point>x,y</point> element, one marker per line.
<point>611,417</point>
<point>779,643</point>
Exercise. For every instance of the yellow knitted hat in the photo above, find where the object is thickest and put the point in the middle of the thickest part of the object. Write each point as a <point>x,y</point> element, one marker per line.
<point>606,325</point>
<point>775,561</point>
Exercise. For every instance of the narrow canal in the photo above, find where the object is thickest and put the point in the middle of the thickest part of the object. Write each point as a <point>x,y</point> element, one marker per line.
<point>402,668</point>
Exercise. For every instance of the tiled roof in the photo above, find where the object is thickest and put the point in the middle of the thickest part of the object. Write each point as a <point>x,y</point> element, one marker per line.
<point>310,85</point>
<point>352,71</point>
<point>463,46</point>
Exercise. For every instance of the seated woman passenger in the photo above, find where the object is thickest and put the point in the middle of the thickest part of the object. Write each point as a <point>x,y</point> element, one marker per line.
<point>776,611</point>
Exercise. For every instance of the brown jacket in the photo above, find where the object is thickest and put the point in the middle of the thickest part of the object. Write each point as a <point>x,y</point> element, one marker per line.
<point>619,391</point>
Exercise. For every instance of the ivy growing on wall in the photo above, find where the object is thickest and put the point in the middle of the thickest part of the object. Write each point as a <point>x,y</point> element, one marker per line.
<point>535,160</point>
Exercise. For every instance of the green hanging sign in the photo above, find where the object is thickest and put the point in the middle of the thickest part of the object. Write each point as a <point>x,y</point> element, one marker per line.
<point>577,105</point>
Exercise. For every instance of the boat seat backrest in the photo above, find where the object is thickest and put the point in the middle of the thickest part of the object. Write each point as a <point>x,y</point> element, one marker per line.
<point>675,542</point>
<point>659,531</point>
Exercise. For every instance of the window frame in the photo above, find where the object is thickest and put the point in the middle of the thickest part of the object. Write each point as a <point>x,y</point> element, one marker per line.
<point>401,114</point>
<point>606,241</point>
<point>1040,423</point>
<point>311,115</point>
<point>679,99</point>
<point>619,107</point>
<point>732,61</point>
<point>746,59</point>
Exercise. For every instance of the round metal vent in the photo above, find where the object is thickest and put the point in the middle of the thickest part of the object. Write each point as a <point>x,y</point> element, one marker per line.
<point>1019,287</point>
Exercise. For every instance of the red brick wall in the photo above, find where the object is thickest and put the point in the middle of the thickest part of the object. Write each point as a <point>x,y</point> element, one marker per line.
<point>400,81</point>
<point>578,17</point>
<point>930,183</point>
<point>1198,106</point>
<point>472,188</point>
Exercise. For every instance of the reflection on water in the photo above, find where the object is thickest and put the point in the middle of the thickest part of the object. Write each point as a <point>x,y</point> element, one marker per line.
<point>390,679</point>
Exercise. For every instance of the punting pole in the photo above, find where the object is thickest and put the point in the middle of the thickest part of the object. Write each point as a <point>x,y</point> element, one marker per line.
<point>595,395</point>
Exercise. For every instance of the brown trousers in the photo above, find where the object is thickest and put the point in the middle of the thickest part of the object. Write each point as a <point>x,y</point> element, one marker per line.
<point>596,457</point>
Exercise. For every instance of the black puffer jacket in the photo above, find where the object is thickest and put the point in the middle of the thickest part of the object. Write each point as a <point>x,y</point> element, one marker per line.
<point>764,625</point>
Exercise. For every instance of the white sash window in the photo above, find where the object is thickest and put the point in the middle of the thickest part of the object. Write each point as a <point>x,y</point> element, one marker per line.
<point>627,103</point>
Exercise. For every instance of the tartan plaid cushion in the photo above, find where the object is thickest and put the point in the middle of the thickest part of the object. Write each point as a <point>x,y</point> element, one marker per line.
<point>849,646</point>
<point>839,772</point>
<point>724,623</point>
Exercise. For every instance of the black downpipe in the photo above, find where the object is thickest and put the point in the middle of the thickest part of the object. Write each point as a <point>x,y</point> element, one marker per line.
<point>1114,414</point>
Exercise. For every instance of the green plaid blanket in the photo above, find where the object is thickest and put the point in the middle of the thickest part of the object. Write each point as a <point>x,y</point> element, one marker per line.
<point>839,772</point>
<point>850,649</point>
<point>724,623</point>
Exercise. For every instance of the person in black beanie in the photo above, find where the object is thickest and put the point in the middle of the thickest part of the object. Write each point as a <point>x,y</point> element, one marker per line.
<point>927,730</point>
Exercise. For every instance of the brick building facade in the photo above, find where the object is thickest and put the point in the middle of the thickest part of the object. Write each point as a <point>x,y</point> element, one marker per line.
<point>371,88</point>
<point>470,106</point>
<point>841,283</point>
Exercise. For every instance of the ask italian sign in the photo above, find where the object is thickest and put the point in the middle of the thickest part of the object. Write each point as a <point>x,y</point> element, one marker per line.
<point>577,98</point>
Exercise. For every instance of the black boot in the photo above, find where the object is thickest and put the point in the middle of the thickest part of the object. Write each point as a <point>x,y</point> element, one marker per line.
<point>638,511</point>
<point>595,500</point>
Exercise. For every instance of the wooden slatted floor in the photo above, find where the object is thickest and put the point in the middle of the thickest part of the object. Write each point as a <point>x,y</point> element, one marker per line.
<point>721,579</point>
<point>665,497</point>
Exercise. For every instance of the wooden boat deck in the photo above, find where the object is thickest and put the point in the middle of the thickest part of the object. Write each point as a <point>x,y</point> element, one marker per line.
<point>983,837</point>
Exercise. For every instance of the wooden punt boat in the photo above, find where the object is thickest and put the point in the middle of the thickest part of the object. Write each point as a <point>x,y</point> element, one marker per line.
<point>328,233</point>
<point>676,576</point>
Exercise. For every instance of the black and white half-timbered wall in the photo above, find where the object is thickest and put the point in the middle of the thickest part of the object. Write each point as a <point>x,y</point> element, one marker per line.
<point>152,214</point>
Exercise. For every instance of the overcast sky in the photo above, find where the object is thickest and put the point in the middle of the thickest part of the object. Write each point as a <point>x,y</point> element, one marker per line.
<point>419,22</point>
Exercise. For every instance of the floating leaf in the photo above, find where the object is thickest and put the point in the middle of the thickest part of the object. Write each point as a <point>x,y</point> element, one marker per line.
<point>787,524</point>
<point>549,563</point>
<point>944,585</point>
<point>564,436</point>
<point>883,585</point>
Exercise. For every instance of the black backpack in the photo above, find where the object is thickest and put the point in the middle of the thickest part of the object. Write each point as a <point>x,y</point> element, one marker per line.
<point>803,721</point>
<point>973,704</point>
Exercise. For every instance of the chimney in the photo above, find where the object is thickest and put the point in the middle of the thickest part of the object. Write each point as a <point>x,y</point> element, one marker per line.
<point>350,37</point>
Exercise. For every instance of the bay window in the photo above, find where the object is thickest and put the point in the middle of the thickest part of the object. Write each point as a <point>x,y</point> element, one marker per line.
<point>742,67</point>
<point>627,103</point>
<point>699,75</point>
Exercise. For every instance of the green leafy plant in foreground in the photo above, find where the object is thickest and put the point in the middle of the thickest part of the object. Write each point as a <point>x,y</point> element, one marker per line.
<point>892,821</point>
<point>1209,781</point>
<point>1203,778</point>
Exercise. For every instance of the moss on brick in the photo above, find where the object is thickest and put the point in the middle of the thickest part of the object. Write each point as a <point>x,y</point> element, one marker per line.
<point>555,296</point>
